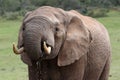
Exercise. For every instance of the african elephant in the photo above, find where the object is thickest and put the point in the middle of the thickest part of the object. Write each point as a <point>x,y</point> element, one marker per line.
<point>63,45</point>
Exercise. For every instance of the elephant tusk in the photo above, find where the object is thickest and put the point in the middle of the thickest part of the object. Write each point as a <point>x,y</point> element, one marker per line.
<point>46,49</point>
<point>17,51</point>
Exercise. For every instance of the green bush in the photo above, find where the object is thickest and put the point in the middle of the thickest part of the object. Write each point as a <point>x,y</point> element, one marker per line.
<point>28,8</point>
<point>22,12</point>
<point>11,15</point>
<point>97,12</point>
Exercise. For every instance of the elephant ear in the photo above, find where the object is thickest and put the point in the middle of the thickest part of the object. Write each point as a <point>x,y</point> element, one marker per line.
<point>24,57</point>
<point>76,43</point>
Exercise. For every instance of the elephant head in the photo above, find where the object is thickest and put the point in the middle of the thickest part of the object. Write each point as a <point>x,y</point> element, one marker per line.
<point>52,32</point>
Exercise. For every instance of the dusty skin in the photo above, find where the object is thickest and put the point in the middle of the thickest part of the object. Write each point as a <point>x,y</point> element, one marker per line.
<point>70,46</point>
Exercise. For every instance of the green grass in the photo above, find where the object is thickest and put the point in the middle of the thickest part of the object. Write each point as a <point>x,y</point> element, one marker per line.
<point>12,68</point>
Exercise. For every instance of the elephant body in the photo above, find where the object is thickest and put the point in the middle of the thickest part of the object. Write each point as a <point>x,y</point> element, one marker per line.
<point>83,55</point>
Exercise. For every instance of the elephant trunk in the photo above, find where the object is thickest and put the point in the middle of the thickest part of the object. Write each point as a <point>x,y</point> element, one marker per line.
<point>37,43</point>
<point>32,44</point>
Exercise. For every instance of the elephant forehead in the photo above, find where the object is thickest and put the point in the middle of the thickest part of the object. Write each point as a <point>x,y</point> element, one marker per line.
<point>51,19</point>
<point>48,15</point>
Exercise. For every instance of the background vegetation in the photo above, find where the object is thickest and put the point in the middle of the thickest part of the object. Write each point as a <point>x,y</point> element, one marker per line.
<point>12,9</point>
<point>11,12</point>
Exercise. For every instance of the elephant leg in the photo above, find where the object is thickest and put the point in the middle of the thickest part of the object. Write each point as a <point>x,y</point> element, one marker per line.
<point>105,73</point>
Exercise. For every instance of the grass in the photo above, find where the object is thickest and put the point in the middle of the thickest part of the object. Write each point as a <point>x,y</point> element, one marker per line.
<point>12,68</point>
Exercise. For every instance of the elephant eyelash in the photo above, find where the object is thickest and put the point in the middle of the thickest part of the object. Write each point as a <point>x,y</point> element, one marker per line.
<point>23,28</point>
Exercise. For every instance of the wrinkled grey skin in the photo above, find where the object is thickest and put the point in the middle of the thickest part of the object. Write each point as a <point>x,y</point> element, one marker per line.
<point>80,45</point>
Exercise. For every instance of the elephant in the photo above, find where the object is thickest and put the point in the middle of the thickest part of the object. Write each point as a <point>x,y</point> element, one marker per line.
<point>63,45</point>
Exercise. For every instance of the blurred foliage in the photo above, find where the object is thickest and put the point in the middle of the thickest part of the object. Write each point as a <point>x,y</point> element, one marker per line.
<point>83,6</point>
<point>97,12</point>
<point>11,15</point>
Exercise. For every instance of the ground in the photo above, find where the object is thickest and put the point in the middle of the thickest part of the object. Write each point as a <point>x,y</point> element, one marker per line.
<point>12,68</point>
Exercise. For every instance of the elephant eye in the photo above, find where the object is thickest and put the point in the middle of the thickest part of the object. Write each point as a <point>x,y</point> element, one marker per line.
<point>56,29</point>
<point>23,28</point>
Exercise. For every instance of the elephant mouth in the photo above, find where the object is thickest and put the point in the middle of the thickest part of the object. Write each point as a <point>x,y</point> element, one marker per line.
<point>45,48</point>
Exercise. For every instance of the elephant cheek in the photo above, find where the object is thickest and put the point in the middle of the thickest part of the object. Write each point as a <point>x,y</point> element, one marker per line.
<point>51,56</point>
